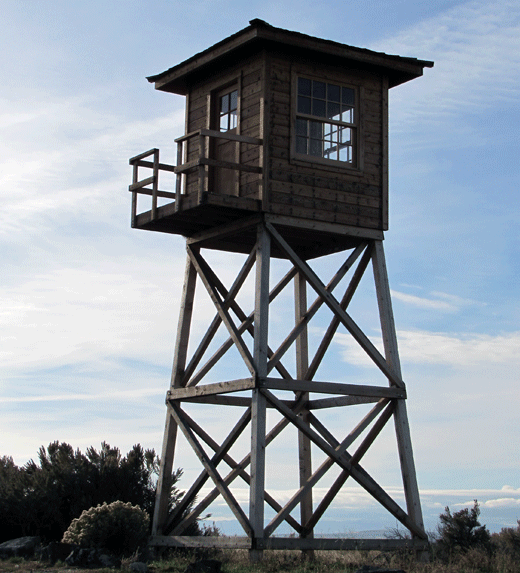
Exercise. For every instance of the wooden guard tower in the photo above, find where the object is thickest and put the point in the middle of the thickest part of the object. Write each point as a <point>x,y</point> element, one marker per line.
<point>285,156</point>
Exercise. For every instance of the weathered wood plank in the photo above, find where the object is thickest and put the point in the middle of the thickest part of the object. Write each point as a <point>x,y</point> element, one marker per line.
<point>164,481</point>
<point>335,322</point>
<point>311,214</point>
<point>325,227</point>
<point>322,205</point>
<point>192,392</point>
<point>313,479</point>
<point>258,422</point>
<point>356,458</point>
<point>326,544</point>
<point>319,193</point>
<point>220,453</point>
<point>239,471</point>
<point>402,427</point>
<point>307,314</point>
<point>333,304</point>
<point>205,272</point>
<point>212,330</point>
<point>212,471</point>
<point>332,388</point>
<point>221,541</point>
<point>360,475</point>
<point>340,402</point>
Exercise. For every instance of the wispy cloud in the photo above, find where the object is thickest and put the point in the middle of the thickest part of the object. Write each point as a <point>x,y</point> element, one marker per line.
<point>121,395</point>
<point>476,49</point>
<point>421,302</point>
<point>452,349</point>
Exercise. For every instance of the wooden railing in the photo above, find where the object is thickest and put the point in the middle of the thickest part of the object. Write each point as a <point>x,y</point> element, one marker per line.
<point>202,163</point>
<point>141,187</point>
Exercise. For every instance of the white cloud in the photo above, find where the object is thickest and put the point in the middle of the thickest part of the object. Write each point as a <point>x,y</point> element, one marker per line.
<point>451,349</point>
<point>476,49</point>
<point>120,394</point>
<point>422,302</point>
<point>70,159</point>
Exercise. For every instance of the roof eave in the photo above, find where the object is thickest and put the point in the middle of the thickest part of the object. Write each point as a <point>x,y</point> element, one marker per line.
<point>399,69</point>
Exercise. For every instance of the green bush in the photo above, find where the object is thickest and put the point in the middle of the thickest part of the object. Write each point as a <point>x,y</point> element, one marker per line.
<point>508,540</point>
<point>120,528</point>
<point>461,531</point>
<point>44,496</point>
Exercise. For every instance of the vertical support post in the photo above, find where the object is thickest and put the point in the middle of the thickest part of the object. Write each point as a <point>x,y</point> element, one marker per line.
<point>258,412</point>
<point>402,428</point>
<point>302,366</point>
<point>164,482</point>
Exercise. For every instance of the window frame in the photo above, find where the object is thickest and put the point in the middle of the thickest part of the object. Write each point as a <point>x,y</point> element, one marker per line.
<point>323,162</point>
<point>228,114</point>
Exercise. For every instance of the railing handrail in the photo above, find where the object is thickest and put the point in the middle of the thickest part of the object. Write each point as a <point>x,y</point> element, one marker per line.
<point>221,135</point>
<point>182,167</point>
<point>132,160</point>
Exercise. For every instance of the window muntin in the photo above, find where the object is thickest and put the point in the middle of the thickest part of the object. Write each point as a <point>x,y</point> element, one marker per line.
<point>325,121</point>
<point>227,106</point>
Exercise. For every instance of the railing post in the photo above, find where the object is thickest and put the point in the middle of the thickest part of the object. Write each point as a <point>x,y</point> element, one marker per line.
<point>155,184</point>
<point>202,167</point>
<point>180,176</point>
<point>135,179</point>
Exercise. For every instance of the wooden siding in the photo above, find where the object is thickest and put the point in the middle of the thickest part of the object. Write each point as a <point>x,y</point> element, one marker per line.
<point>293,186</point>
<point>248,77</point>
<point>326,192</point>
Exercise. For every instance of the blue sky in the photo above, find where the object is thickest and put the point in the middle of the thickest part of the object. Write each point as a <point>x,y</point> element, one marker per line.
<point>89,306</point>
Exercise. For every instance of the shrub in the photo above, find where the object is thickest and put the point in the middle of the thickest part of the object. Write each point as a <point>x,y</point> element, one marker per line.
<point>461,531</point>
<point>120,528</point>
<point>44,496</point>
<point>508,540</point>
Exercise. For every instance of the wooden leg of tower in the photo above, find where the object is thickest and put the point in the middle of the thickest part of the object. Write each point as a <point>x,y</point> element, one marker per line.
<point>302,365</point>
<point>164,483</point>
<point>258,413</point>
<point>402,427</point>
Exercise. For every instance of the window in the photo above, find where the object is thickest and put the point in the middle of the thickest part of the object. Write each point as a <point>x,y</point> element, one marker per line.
<point>228,111</point>
<point>325,121</point>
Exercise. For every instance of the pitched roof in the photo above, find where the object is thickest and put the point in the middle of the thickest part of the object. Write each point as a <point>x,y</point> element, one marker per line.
<point>260,34</point>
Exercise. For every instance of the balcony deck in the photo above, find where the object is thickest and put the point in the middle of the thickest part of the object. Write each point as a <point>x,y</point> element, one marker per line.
<point>228,223</point>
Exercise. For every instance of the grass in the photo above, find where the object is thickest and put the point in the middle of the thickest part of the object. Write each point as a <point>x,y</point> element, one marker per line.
<point>237,561</point>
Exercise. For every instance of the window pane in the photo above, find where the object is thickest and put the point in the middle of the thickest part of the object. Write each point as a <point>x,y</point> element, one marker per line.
<point>224,123</point>
<point>333,92</point>
<point>301,145</point>
<point>234,100</point>
<point>304,87</point>
<point>233,119</point>
<point>318,89</point>
<point>347,96</point>
<point>316,129</point>
<point>315,148</point>
<point>327,130</point>
<point>331,152</point>
<point>345,135</point>
<point>333,111</point>
<point>318,108</point>
<point>304,104</point>
<point>224,104</point>
<point>301,126</point>
<point>347,114</point>
<point>345,154</point>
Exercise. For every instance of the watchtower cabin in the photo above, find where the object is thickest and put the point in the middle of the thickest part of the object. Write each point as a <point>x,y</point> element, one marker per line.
<point>285,155</point>
<point>282,124</point>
